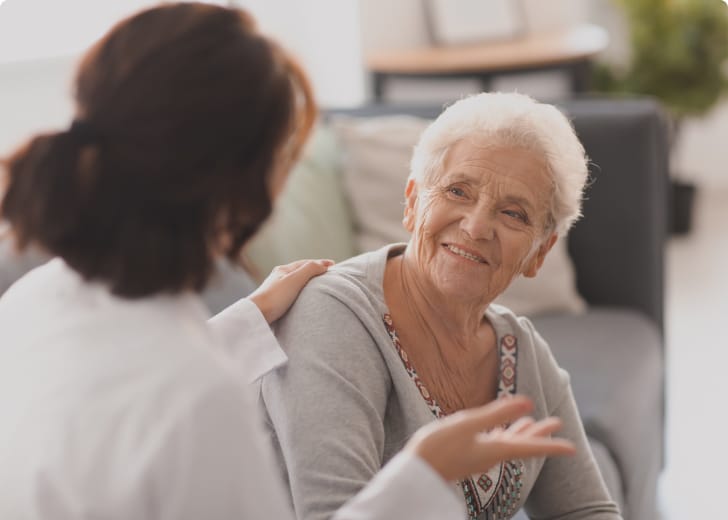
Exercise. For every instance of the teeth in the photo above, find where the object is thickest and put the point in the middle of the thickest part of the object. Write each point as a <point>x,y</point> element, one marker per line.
<point>465,254</point>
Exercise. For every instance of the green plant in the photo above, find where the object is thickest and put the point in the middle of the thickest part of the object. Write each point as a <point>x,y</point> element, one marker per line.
<point>679,50</point>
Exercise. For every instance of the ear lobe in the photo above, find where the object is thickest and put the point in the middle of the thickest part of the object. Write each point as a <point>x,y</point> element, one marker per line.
<point>410,193</point>
<point>537,261</point>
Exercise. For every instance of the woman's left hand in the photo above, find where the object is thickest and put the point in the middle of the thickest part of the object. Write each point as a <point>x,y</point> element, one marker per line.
<point>280,289</point>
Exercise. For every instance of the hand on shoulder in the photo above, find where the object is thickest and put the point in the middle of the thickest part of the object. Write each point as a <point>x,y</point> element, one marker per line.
<point>280,289</point>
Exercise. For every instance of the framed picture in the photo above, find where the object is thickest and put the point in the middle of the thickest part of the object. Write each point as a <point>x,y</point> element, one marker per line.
<point>454,22</point>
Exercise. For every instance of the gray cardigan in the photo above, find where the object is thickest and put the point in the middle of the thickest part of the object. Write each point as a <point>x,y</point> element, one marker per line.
<point>345,404</point>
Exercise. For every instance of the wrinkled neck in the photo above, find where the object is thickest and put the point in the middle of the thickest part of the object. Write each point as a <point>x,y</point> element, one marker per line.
<point>452,325</point>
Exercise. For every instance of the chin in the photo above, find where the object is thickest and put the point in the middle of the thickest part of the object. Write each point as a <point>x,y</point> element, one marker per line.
<point>463,288</point>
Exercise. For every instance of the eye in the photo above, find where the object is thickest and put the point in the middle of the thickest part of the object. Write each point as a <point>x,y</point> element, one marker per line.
<point>454,190</point>
<point>519,215</point>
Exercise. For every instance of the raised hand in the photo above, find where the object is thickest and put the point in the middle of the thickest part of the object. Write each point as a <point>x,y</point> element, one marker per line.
<point>472,441</point>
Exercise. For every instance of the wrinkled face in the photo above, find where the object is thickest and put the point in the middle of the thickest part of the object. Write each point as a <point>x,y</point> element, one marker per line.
<point>481,221</point>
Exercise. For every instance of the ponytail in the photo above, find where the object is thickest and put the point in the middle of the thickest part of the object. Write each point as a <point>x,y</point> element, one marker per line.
<point>42,197</point>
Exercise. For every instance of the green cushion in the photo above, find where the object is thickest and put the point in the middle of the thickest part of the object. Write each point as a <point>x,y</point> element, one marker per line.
<point>311,218</point>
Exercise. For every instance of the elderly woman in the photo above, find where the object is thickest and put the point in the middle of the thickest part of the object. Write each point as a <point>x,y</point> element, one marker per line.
<point>398,337</point>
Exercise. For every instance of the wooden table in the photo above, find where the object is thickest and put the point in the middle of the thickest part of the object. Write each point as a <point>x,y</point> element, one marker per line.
<point>569,49</point>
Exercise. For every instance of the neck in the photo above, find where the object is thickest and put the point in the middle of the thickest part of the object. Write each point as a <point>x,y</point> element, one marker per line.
<point>450,325</point>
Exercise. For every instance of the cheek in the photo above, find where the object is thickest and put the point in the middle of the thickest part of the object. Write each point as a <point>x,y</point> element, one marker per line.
<point>423,216</point>
<point>518,249</point>
<point>437,214</point>
<point>430,220</point>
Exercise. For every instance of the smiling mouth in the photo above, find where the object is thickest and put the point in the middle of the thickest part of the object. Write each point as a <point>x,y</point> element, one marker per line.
<point>465,254</point>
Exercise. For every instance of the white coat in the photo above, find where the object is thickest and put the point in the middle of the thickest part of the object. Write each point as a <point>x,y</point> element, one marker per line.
<point>143,409</point>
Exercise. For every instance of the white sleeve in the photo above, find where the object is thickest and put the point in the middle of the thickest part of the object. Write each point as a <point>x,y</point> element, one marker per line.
<point>217,463</point>
<point>406,488</point>
<point>248,339</point>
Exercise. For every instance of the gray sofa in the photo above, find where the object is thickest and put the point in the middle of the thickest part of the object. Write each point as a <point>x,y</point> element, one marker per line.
<point>614,352</point>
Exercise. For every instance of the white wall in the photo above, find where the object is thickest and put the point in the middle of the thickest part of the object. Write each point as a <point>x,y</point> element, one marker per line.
<point>32,29</point>
<point>35,95</point>
<point>40,44</point>
<point>324,35</point>
<point>38,55</point>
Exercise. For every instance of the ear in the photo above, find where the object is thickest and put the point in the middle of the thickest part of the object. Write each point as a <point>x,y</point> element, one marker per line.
<point>535,263</point>
<point>410,194</point>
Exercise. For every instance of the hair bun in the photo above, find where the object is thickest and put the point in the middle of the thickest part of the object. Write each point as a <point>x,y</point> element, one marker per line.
<point>84,132</point>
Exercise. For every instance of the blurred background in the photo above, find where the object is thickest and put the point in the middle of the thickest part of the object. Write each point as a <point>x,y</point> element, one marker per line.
<point>359,50</point>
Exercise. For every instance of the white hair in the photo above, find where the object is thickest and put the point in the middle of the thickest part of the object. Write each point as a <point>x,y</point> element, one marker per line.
<point>511,119</point>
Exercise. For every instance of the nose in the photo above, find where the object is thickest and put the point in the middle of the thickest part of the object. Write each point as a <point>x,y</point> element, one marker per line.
<point>478,223</point>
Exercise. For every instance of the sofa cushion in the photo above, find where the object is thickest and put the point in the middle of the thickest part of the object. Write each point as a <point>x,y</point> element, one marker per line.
<point>614,358</point>
<point>311,218</point>
<point>376,153</point>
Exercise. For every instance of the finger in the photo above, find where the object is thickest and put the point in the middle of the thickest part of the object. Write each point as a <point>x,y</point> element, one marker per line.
<point>520,425</point>
<point>294,266</point>
<point>542,428</point>
<point>290,267</point>
<point>541,447</point>
<point>492,414</point>
<point>495,431</point>
<point>531,447</point>
<point>307,270</point>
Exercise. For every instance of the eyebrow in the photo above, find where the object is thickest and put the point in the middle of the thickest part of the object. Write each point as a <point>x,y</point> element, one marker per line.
<point>459,176</point>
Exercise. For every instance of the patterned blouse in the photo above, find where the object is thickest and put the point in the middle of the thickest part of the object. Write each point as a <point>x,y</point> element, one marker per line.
<point>493,495</point>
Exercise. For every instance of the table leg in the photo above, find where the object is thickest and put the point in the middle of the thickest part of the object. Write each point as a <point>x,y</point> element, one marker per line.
<point>580,76</point>
<point>486,82</point>
<point>378,86</point>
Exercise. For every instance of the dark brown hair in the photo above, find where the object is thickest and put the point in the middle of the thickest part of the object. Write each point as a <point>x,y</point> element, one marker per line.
<point>183,113</point>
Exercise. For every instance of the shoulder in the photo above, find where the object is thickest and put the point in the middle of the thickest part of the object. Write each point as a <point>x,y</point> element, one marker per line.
<point>336,323</point>
<point>38,280</point>
<point>351,288</point>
